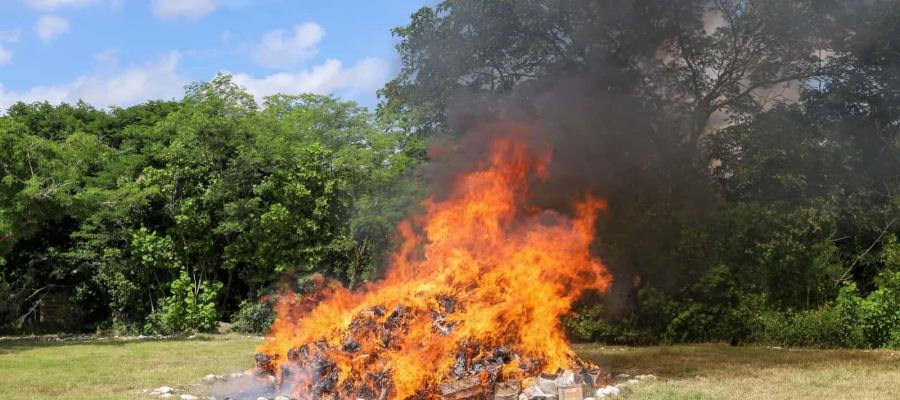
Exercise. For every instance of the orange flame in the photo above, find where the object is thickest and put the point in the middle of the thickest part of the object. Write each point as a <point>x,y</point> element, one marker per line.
<point>511,272</point>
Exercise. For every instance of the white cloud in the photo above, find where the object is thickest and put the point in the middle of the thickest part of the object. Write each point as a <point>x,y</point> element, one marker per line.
<point>5,56</point>
<point>157,79</point>
<point>48,5</point>
<point>330,77</point>
<point>108,57</point>
<point>191,9</point>
<point>10,36</point>
<point>49,27</point>
<point>160,79</point>
<point>283,49</point>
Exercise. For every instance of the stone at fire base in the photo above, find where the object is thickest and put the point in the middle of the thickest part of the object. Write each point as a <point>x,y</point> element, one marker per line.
<point>608,391</point>
<point>213,378</point>
<point>164,390</point>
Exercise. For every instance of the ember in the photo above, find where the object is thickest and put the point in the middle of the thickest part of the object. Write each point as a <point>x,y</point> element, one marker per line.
<point>470,306</point>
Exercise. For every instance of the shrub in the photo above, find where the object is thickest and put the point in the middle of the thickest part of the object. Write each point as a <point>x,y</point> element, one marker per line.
<point>253,317</point>
<point>768,327</point>
<point>832,325</point>
<point>715,309</point>
<point>814,328</point>
<point>881,312</point>
<point>589,325</point>
<point>186,310</point>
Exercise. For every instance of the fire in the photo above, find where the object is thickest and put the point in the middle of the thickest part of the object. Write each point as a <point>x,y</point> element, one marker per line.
<point>477,271</point>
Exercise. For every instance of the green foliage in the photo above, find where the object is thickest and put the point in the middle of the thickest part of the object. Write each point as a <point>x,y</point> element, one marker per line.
<point>816,328</point>
<point>715,309</point>
<point>114,204</point>
<point>190,308</point>
<point>131,278</point>
<point>253,317</point>
<point>588,324</point>
<point>881,312</point>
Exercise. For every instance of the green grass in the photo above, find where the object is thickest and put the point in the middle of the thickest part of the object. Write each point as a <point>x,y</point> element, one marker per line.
<point>713,371</point>
<point>121,370</point>
<point>115,369</point>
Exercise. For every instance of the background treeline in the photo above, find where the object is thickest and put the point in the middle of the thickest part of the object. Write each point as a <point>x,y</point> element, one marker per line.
<point>749,151</point>
<point>166,215</point>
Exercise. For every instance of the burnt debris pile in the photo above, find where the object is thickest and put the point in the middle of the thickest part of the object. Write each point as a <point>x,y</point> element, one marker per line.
<point>480,369</point>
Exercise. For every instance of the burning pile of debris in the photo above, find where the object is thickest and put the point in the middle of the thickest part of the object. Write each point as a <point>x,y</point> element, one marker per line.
<point>469,307</point>
<point>479,369</point>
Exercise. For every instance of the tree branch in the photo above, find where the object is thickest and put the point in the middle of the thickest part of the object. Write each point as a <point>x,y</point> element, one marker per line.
<point>877,240</point>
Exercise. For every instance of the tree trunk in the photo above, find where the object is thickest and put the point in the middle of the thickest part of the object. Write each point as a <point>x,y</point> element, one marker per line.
<point>227,289</point>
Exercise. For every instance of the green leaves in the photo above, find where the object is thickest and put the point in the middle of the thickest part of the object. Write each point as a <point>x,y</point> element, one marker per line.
<point>190,308</point>
<point>120,205</point>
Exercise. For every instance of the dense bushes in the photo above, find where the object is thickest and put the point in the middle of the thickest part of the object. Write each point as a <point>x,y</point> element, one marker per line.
<point>189,308</point>
<point>852,320</point>
<point>167,215</point>
<point>253,317</point>
<point>715,309</point>
<point>823,327</point>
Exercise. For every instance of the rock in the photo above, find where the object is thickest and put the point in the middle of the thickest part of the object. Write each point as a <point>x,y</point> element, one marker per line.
<point>623,376</point>
<point>188,397</point>
<point>164,390</point>
<point>607,391</point>
<point>213,378</point>
<point>282,398</point>
<point>632,381</point>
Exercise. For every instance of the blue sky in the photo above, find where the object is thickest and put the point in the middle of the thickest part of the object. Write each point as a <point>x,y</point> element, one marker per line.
<point>123,52</point>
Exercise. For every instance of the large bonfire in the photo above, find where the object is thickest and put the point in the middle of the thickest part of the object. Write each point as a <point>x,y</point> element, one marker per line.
<point>474,294</point>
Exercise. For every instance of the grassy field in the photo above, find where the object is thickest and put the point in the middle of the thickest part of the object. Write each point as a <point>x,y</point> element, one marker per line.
<point>723,372</point>
<point>115,369</point>
<point>121,370</point>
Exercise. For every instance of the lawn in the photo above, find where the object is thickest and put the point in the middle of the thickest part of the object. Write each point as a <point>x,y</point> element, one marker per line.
<point>723,372</point>
<point>115,369</point>
<point>122,369</point>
